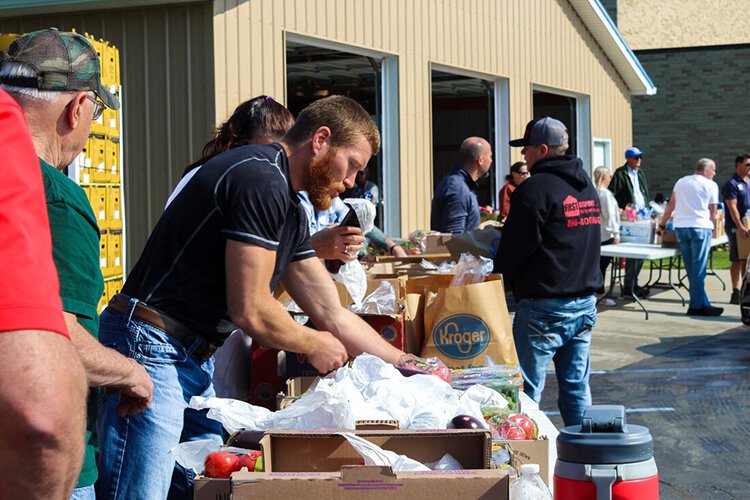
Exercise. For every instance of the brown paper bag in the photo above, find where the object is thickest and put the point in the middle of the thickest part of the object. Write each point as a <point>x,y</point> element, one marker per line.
<point>465,325</point>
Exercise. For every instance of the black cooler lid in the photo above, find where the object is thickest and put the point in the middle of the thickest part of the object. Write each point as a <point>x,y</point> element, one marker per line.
<point>604,437</point>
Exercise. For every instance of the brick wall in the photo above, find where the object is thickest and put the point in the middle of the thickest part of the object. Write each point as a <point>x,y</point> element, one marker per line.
<point>701,109</point>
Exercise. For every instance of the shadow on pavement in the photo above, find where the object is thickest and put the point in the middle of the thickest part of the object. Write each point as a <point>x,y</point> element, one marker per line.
<point>695,399</point>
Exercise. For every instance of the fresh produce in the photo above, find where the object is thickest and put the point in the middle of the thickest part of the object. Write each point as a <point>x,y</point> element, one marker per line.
<point>221,464</point>
<point>507,430</point>
<point>512,426</point>
<point>528,425</point>
<point>431,366</point>
<point>247,439</point>
<point>252,461</point>
<point>466,422</point>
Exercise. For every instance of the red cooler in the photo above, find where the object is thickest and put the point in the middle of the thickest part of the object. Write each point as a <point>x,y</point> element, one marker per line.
<point>605,459</point>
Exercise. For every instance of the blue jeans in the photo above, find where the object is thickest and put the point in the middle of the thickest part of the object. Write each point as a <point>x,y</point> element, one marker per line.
<point>695,246</point>
<point>134,459</point>
<point>557,330</point>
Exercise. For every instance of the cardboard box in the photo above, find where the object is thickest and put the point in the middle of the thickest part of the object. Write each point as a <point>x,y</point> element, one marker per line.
<point>668,239</point>
<point>326,451</point>
<point>362,483</point>
<point>642,231</point>
<point>743,244</point>
<point>530,452</point>
<point>435,243</point>
<point>265,382</point>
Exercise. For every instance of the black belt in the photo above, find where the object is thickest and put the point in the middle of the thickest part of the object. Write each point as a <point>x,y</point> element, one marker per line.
<point>186,337</point>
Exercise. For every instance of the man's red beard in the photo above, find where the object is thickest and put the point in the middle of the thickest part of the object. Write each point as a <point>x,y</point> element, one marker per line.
<point>320,181</point>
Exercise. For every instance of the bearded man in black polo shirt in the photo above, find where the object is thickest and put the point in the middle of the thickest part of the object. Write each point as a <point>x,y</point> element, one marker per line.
<point>210,266</point>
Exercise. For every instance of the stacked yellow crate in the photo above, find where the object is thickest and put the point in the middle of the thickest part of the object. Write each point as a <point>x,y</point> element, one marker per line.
<point>103,174</point>
<point>99,172</point>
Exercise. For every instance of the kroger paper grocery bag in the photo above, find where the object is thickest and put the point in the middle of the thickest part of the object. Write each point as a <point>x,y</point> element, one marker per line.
<point>464,325</point>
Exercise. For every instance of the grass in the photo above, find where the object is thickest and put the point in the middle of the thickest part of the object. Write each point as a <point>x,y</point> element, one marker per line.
<point>720,256</point>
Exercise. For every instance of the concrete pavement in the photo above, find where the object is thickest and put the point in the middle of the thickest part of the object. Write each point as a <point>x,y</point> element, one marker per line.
<point>684,378</point>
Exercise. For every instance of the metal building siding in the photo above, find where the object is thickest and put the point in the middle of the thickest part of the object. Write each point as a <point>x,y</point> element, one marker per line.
<point>166,65</point>
<point>529,42</point>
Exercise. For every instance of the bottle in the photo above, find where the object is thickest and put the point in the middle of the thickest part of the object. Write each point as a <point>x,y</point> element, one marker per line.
<point>529,485</point>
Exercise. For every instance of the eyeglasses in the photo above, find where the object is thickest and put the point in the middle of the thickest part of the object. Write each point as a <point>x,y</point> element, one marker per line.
<point>98,106</point>
<point>522,172</point>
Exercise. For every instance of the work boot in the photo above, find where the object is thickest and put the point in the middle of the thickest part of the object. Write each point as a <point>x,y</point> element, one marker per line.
<point>735,298</point>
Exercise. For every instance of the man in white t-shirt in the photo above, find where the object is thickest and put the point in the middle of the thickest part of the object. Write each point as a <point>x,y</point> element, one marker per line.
<point>694,200</point>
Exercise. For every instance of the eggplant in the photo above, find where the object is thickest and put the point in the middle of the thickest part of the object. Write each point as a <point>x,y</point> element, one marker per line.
<point>466,422</point>
<point>249,440</point>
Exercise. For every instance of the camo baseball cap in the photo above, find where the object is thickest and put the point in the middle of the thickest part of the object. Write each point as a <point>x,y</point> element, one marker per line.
<point>62,61</point>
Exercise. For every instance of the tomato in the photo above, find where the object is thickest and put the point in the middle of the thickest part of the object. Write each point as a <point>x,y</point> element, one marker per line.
<point>249,460</point>
<point>221,464</point>
<point>510,431</point>
<point>525,423</point>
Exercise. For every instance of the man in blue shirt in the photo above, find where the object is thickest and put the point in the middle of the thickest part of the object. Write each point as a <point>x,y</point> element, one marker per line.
<point>455,208</point>
<point>736,196</point>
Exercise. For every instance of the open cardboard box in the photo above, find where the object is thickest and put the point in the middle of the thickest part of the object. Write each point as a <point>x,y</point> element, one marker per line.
<point>527,451</point>
<point>327,451</point>
<point>360,482</point>
<point>322,464</point>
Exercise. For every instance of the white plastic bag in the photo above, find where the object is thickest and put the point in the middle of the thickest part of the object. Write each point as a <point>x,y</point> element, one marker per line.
<point>381,301</point>
<point>375,455</point>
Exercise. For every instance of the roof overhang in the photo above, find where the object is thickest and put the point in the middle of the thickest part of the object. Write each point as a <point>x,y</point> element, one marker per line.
<point>18,8</point>
<point>606,34</point>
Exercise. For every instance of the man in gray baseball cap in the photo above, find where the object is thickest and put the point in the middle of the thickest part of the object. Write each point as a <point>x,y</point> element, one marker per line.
<point>549,254</point>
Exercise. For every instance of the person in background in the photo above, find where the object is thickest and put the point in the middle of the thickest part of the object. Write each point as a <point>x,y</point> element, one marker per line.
<point>233,233</point>
<point>334,242</point>
<point>365,189</point>
<point>261,120</point>
<point>519,172</point>
<point>43,389</point>
<point>610,226</point>
<point>455,208</point>
<point>694,201</point>
<point>55,77</point>
<point>549,255</point>
<point>736,196</point>
<point>629,187</point>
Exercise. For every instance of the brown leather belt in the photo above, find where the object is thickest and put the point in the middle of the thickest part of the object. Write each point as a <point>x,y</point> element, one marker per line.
<point>186,337</point>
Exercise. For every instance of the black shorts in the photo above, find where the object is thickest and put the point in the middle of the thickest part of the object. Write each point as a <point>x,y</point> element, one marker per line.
<point>733,253</point>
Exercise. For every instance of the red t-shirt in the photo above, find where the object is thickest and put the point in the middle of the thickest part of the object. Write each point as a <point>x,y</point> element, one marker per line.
<point>29,289</point>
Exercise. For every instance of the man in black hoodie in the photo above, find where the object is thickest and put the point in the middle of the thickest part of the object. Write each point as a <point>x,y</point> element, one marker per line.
<point>549,253</point>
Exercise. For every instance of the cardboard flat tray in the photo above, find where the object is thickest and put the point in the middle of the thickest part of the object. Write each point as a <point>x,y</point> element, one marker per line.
<point>327,451</point>
<point>361,483</point>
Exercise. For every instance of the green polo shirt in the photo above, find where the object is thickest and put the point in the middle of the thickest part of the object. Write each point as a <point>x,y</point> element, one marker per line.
<point>75,249</point>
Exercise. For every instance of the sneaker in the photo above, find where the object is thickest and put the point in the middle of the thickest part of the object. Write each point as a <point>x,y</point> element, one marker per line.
<point>735,298</point>
<point>705,311</point>
<point>607,302</point>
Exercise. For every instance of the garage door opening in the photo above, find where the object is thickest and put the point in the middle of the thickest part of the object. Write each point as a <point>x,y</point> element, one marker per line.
<point>561,107</point>
<point>462,107</point>
<point>317,72</point>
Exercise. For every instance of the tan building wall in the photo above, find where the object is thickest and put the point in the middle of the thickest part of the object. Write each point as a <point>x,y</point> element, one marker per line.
<point>649,24</point>
<point>530,42</point>
<point>166,72</point>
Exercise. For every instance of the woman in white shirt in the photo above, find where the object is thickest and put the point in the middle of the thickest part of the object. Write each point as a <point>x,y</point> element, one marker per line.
<point>610,225</point>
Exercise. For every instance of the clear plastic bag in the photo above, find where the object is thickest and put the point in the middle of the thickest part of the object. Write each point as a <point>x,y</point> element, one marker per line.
<point>471,269</point>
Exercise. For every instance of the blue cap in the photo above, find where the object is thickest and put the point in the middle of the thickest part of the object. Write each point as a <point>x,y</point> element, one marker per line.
<point>633,152</point>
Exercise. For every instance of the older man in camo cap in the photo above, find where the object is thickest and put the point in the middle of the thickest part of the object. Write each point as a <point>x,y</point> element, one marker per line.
<point>56,78</point>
